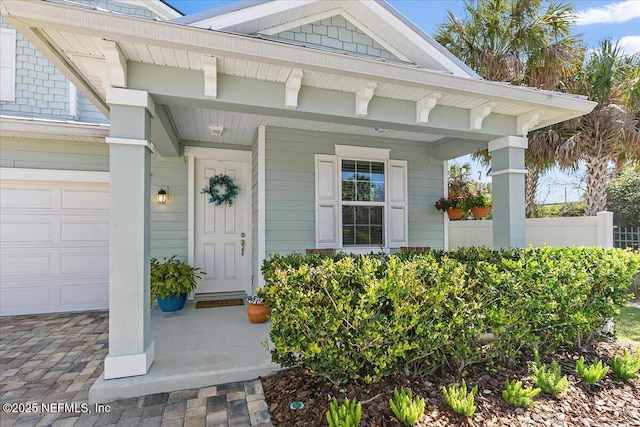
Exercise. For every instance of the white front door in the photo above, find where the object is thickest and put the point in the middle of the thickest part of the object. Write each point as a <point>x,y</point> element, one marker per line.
<point>221,233</point>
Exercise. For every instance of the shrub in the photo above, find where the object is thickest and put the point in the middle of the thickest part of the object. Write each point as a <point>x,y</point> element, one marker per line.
<point>172,277</point>
<point>518,396</point>
<point>459,399</point>
<point>593,373</point>
<point>346,415</point>
<point>550,380</point>
<point>627,366</point>
<point>364,317</point>
<point>406,409</point>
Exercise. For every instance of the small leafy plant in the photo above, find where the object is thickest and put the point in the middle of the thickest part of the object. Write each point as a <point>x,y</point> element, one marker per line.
<point>407,409</point>
<point>627,366</point>
<point>173,277</point>
<point>459,399</point>
<point>346,415</point>
<point>481,199</point>
<point>550,380</point>
<point>593,373</point>
<point>444,204</point>
<point>516,395</point>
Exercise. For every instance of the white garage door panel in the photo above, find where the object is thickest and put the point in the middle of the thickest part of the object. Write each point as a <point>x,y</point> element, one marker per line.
<point>13,197</point>
<point>19,299</point>
<point>83,231</point>
<point>82,263</point>
<point>17,230</point>
<point>89,295</point>
<point>16,264</point>
<point>85,200</point>
<point>55,246</point>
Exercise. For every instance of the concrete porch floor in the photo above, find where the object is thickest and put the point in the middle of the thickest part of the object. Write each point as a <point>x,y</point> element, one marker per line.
<point>195,348</point>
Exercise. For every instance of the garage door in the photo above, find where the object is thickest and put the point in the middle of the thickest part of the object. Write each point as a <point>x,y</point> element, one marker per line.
<point>54,246</point>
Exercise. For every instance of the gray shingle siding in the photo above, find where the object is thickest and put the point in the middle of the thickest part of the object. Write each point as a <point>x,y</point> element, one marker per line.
<point>337,33</point>
<point>41,90</point>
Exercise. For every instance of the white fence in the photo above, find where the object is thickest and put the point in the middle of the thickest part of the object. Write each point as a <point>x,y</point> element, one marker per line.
<point>574,231</point>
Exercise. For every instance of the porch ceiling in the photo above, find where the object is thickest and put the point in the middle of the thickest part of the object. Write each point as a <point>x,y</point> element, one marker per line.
<point>166,59</point>
<point>192,124</point>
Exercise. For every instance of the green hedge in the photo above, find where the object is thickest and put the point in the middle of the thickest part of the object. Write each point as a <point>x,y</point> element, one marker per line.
<point>365,317</point>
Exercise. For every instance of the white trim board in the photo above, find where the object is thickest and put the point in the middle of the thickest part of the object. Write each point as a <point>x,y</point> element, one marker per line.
<point>20,174</point>
<point>262,200</point>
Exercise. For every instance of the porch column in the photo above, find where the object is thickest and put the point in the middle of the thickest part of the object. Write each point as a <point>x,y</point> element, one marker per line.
<point>131,351</point>
<point>508,171</point>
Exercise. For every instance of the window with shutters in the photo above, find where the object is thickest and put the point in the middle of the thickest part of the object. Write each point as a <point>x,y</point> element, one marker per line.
<point>361,199</point>
<point>7,64</point>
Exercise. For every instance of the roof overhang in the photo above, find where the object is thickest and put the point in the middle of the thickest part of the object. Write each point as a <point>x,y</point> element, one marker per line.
<point>56,130</point>
<point>80,43</point>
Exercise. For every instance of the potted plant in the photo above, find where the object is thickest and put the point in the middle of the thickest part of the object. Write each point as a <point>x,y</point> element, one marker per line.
<point>171,282</point>
<point>453,206</point>
<point>257,311</point>
<point>478,203</point>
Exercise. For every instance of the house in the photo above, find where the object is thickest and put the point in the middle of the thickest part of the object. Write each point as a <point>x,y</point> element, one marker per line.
<point>335,118</point>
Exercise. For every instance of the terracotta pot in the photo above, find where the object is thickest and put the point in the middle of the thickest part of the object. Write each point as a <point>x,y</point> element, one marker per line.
<point>455,213</point>
<point>258,313</point>
<point>480,211</point>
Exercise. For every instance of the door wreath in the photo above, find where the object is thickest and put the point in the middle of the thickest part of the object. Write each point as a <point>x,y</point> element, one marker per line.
<point>213,190</point>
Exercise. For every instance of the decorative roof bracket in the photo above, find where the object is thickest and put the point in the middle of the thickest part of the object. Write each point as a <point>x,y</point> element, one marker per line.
<point>210,69</point>
<point>363,96</point>
<point>425,105</point>
<point>525,122</point>
<point>292,88</point>
<point>478,114</point>
<point>117,64</point>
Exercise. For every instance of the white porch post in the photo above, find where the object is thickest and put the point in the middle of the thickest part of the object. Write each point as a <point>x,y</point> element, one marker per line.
<point>131,351</point>
<point>508,171</point>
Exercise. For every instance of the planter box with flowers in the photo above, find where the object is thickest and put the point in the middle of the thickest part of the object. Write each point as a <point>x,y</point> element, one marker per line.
<point>453,206</point>
<point>478,203</point>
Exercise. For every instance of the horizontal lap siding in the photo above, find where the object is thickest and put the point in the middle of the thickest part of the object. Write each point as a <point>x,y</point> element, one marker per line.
<point>169,221</point>
<point>290,187</point>
<point>34,154</point>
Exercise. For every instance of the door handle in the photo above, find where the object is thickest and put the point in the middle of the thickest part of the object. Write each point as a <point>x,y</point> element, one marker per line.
<point>242,243</point>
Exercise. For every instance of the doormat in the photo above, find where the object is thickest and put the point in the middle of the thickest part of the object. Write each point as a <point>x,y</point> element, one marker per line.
<point>220,303</point>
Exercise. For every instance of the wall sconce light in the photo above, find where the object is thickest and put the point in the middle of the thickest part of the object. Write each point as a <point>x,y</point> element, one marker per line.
<point>162,196</point>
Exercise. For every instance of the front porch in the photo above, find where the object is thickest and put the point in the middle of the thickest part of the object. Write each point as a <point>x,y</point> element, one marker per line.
<point>195,348</point>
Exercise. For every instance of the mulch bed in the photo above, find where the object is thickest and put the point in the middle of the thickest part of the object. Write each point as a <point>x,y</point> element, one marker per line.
<point>610,403</point>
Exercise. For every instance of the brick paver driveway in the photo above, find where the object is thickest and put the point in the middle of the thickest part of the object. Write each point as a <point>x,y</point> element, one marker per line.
<point>49,362</point>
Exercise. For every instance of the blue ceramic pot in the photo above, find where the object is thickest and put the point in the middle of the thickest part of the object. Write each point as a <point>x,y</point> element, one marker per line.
<point>172,303</point>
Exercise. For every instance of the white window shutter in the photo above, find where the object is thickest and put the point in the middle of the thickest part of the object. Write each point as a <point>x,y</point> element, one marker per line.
<point>7,64</point>
<point>398,204</point>
<point>327,201</point>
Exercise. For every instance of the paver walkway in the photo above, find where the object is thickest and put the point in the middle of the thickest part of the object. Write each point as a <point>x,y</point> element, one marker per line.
<point>49,362</point>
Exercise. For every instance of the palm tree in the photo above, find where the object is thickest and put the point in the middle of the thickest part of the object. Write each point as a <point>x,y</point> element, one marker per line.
<point>516,41</point>
<point>520,42</point>
<point>610,134</point>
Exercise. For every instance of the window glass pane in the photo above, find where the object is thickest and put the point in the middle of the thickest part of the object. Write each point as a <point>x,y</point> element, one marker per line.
<point>362,225</point>
<point>364,191</point>
<point>376,235</point>
<point>348,236</point>
<point>348,190</point>
<point>362,235</point>
<point>362,181</point>
<point>348,215</point>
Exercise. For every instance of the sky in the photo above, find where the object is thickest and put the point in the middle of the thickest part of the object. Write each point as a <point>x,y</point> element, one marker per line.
<point>595,21</point>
